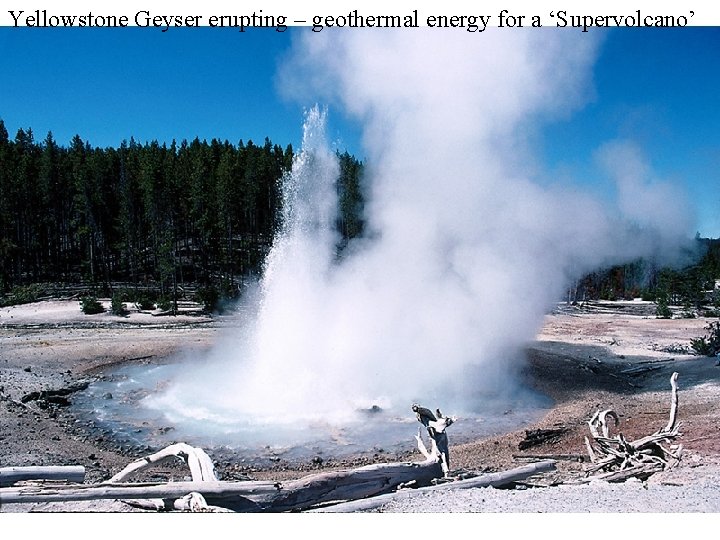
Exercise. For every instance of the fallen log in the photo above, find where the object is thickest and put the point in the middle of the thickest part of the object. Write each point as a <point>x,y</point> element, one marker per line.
<point>555,457</point>
<point>50,395</point>
<point>255,496</point>
<point>642,472</point>
<point>12,475</point>
<point>496,480</point>
<point>639,370</point>
<point>535,437</point>
<point>672,421</point>
<point>173,490</point>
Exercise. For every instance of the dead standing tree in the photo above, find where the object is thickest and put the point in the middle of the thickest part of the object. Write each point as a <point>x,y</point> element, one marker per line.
<point>622,459</point>
<point>436,425</point>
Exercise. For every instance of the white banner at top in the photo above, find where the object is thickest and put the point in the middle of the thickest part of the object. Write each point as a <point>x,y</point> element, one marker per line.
<point>165,15</point>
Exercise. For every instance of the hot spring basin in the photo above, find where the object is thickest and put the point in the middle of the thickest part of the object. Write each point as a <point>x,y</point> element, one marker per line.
<point>124,407</point>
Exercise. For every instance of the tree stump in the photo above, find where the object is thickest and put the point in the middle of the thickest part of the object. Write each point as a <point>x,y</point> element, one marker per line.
<point>436,424</point>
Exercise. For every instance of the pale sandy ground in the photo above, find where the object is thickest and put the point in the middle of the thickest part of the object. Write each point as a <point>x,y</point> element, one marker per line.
<point>578,359</point>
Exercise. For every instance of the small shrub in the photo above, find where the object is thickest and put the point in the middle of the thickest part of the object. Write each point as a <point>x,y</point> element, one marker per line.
<point>687,312</point>
<point>90,305</point>
<point>125,295</point>
<point>117,306</point>
<point>145,302</point>
<point>708,345</point>
<point>608,294</point>
<point>22,294</point>
<point>662,310</point>
<point>164,303</point>
<point>209,297</point>
<point>648,295</point>
<point>700,346</point>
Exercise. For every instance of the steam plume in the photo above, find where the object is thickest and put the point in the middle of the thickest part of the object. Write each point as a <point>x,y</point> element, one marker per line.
<point>467,252</point>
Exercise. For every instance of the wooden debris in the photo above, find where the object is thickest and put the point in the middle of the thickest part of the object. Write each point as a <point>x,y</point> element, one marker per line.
<point>201,467</point>
<point>58,397</point>
<point>497,480</point>
<point>436,425</point>
<point>535,437</point>
<point>255,496</point>
<point>12,475</point>
<point>640,370</point>
<point>192,502</point>
<point>205,493</point>
<point>201,470</point>
<point>555,457</point>
<point>621,459</point>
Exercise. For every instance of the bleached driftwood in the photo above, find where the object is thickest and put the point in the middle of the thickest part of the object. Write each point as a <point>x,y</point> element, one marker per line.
<point>12,475</point>
<point>554,457</point>
<point>201,470</point>
<point>254,496</point>
<point>200,464</point>
<point>497,480</point>
<point>672,421</point>
<point>192,502</point>
<point>622,459</point>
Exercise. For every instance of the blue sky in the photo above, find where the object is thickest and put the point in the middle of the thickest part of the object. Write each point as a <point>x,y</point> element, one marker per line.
<point>657,88</point>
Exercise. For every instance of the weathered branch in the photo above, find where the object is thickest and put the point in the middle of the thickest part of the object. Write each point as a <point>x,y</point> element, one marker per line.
<point>201,467</point>
<point>201,470</point>
<point>602,418</point>
<point>11,475</point>
<point>592,424</point>
<point>673,404</point>
<point>554,457</point>
<point>192,502</point>
<point>590,450</point>
<point>430,455</point>
<point>497,480</point>
<point>641,471</point>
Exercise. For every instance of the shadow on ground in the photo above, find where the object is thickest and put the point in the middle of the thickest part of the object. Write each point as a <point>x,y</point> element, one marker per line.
<point>561,370</point>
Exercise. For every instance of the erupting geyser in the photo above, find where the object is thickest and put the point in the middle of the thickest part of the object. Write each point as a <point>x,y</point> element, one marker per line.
<point>467,248</point>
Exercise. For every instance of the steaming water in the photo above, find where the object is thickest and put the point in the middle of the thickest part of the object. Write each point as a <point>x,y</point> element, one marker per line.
<point>118,407</point>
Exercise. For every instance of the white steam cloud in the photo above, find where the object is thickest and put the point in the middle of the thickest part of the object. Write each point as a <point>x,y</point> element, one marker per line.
<point>467,252</point>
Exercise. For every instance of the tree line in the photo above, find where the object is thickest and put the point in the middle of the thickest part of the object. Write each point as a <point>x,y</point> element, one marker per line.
<point>691,288</point>
<point>201,213</point>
